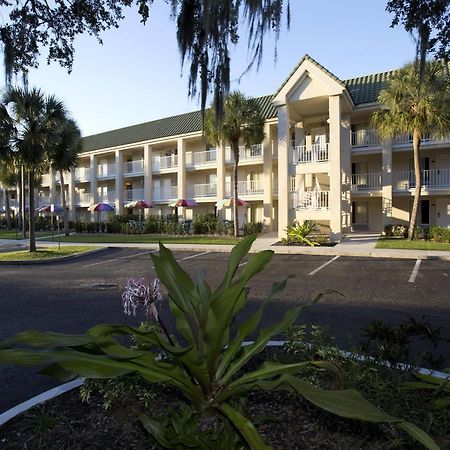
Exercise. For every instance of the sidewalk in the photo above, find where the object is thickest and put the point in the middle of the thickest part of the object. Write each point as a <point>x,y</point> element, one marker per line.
<point>355,244</point>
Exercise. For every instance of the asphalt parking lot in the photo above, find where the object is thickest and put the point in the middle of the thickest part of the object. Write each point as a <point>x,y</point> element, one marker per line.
<point>74,295</point>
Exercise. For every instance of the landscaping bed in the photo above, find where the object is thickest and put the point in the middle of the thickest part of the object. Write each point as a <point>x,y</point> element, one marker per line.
<point>44,253</point>
<point>108,416</point>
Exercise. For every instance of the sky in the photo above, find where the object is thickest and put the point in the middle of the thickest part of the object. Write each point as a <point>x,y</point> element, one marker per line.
<point>136,75</point>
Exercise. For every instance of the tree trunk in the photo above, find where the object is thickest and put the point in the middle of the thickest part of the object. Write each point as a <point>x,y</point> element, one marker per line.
<point>235,147</point>
<point>64,207</point>
<point>8,210</point>
<point>32,212</point>
<point>416,147</point>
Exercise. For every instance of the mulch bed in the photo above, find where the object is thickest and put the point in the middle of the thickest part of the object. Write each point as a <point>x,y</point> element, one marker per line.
<point>284,420</point>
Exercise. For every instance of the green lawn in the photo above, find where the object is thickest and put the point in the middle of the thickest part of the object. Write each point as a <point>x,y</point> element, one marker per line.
<point>147,239</point>
<point>44,253</point>
<point>404,244</point>
<point>11,234</point>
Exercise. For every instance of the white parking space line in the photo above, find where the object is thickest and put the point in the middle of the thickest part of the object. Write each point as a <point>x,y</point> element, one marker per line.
<point>415,271</point>
<point>193,256</point>
<point>122,257</point>
<point>243,264</point>
<point>323,265</point>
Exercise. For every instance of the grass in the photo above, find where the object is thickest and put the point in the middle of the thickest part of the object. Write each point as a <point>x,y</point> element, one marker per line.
<point>147,239</point>
<point>404,244</point>
<point>43,253</point>
<point>11,234</point>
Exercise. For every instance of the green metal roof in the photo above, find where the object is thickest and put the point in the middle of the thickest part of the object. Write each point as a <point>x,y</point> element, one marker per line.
<point>366,89</point>
<point>362,90</point>
<point>169,126</point>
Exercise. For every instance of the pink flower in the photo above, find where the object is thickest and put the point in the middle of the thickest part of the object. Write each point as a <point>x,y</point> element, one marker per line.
<point>140,293</point>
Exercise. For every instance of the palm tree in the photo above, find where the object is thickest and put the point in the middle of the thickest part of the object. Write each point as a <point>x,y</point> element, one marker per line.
<point>36,119</point>
<point>416,108</point>
<point>64,156</point>
<point>8,180</point>
<point>242,121</point>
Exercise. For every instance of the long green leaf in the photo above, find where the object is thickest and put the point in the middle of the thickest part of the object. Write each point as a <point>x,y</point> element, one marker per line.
<point>47,339</point>
<point>236,255</point>
<point>154,428</point>
<point>418,434</point>
<point>260,344</point>
<point>245,427</point>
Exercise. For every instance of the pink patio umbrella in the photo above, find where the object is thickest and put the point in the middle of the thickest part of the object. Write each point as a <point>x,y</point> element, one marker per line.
<point>139,204</point>
<point>100,207</point>
<point>184,202</point>
<point>229,202</point>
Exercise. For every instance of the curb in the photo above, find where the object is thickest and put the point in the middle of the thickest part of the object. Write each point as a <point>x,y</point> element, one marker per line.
<point>52,260</point>
<point>63,388</point>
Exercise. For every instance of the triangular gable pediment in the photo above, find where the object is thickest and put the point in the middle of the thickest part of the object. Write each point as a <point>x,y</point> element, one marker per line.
<point>308,80</point>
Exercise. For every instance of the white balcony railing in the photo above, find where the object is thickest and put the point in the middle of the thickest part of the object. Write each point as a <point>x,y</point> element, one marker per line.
<point>164,162</point>
<point>431,179</point>
<point>165,194</point>
<point>203,190</point>
<point>366,181</point>
<point>82,174</point>
<point>46,179</point>
<point>365,138</point>
<point>106,197</point>
<point>312,200</point>
<point>106,170</point>
<point>194,159</point>
<point>133,167</point>
<point>249,187</point>
<point>254,152</point>
<point>84,198</point>
<point>310,153</point>
<point>130,195</point>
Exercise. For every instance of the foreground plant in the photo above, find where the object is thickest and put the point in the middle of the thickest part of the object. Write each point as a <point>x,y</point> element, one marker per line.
<point>207,363</point>
<point>299,232</point>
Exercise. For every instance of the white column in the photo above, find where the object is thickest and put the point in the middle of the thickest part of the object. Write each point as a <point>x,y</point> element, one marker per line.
<point>118,183</point>
<point>386,181</point>
<point>221,188</point>
<point>53,188</point>
<point>72,197</point>
<point>181,173</point>
<point>283,170</point>
<point>93,183</point>
<point>267,179</point>
<point>346,171</point>
<point>148,179</point>
<point>335,203</point>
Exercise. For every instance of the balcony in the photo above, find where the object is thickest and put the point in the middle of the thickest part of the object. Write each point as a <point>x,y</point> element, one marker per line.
<point>131,168</point>
<point>312,200</point>
<point>315,153</point>
<point>363,139</point>
<point>106,171</point>
<point>106,197</point>
<point>364,182</point>
<point>130,195</point>
<point>435,179</point>
<point>165,195</point>
<point>44,200</point>
<point>245,188</point>
<point>203,190</point>
<point>82,174</point>
<point>198,159</point>
<point>164,163</point>
<point>253,153</point>
<point>84,199</point>
<point>368,139</point>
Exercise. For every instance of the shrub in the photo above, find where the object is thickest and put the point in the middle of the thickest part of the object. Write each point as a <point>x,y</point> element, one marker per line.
<point>396,231</point>
<point>207,365</point>
<point>300,233</point>
<point>440,234</point>
<point>252,228</point>
<point>204,224</point>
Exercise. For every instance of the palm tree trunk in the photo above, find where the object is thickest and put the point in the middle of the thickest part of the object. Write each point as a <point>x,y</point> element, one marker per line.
<point>32,212</point>
<point>416,147</point>
<point>63,201</point>
<point>8,210</point>
<point>235,147</point>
